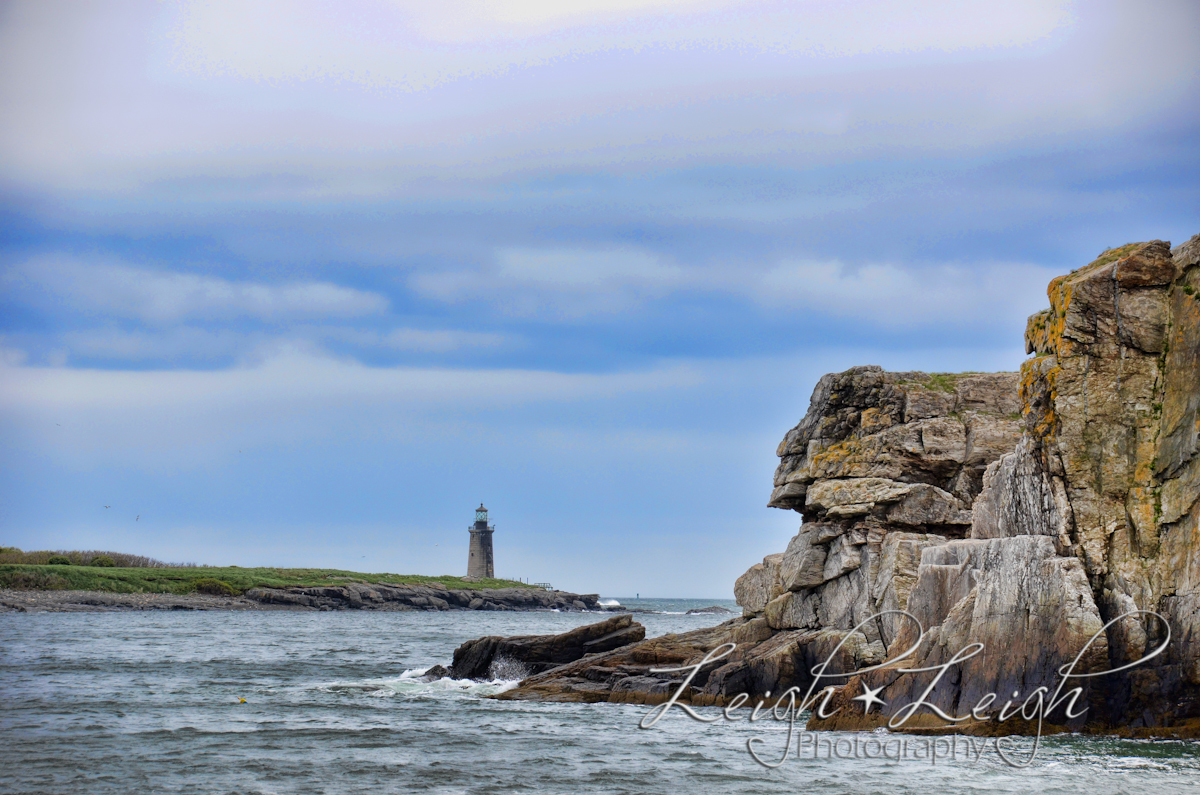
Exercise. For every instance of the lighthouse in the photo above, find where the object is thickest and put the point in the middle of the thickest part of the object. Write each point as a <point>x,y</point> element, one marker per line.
<point>479,562</point>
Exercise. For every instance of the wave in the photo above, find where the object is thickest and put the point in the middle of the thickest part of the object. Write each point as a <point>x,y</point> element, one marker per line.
<point>609,603</point>
<point>409,683</point>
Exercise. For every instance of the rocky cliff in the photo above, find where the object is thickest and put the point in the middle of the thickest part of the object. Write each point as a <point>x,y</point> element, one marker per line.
<point>1092,516</point>
<point>1023,512</point>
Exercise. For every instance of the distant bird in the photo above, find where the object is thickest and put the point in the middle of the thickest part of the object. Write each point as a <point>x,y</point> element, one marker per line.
<point>139,516</point>
<point>59,424</point>
<point>107,506</point>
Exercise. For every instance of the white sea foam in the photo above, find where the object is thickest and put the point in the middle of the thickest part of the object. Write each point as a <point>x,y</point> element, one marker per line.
<point>410,683</point>
<point>609,603</point>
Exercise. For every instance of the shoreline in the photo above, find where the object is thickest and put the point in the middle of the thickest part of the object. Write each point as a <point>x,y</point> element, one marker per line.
<point>393,598</point>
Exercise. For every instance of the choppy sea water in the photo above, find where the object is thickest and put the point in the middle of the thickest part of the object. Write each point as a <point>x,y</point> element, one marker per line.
<point>150,702</point>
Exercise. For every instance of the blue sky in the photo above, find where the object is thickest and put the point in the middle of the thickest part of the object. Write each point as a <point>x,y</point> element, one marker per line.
<point>302,283</point>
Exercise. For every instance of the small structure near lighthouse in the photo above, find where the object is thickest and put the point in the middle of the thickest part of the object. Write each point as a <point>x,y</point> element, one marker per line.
<point>479,562</point>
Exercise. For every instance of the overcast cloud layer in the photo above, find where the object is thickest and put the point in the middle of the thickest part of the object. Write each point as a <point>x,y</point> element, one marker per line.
<point>300,283</point>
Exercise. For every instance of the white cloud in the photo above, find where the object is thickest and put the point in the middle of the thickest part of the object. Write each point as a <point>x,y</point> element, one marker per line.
<point>290,375</point>
<point>891,296</point>
<point>439,341</point>
<point>172,344</point>
<point>11,355</point>
<point>293,400</point>
<point>190,342</point>
<point>357,43</point>
<point>581,271</point>
<point>559,282</point>
<point>117,290</point>
<point>412,339</point>
<point>315,100</point>
<point>288,397</point>
<point>118,344</point>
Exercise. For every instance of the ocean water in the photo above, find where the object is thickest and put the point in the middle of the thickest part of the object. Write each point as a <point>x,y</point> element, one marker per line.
<point>151,702</point>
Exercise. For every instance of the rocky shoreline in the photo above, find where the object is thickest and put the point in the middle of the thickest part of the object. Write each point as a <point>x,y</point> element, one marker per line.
<point>1046,516</point>
<point>351,596</point>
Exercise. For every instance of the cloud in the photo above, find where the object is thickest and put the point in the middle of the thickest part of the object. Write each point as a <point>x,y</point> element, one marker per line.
<point>303,41</point>
<point>291,375</point>
<point>117,290</point>
<point>172,346</point>
<point>439,341</point>
<point>310,101</point>
<point>11,355</point>
<point>290,398</point>
<point>561,282</point>
<point>163,344</point>
<point>891,296</point>
<point>413,340</point>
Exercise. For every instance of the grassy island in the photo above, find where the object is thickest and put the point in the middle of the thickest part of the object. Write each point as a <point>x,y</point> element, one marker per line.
<point>150,576</point>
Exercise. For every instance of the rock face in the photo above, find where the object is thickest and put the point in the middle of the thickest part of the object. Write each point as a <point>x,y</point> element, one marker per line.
<point>1110,400</point>
<point>1092,515</point>
<point>493,656</point>
<point>882,466</point>
<point>901,448</point>
<point>1021,512</point>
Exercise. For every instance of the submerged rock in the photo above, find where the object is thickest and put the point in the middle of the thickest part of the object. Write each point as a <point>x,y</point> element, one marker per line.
<point>435,673</point>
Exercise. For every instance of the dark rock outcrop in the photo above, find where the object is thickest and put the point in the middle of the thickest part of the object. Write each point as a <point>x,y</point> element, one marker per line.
<point>623,674</point>
<point>431,596</point>
<point>480,658</point>
<point>435,673</point>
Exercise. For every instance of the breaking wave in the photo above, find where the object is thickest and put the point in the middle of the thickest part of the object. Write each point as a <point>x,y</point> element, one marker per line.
<point>410,683</point>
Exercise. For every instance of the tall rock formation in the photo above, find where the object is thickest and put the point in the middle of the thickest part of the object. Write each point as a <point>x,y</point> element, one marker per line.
<point>1111,399</point>
<point>1093,514</point>
<point>882,466</point>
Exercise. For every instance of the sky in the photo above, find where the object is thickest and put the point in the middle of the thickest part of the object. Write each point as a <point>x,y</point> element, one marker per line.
<point>302,283</point>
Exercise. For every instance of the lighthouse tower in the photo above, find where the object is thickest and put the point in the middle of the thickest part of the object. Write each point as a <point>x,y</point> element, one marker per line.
<point>479,562</point>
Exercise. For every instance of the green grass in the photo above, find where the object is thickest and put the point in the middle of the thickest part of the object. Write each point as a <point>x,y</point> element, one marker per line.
<point>184,580</point>
<point>944,382</point>
<point>1112,255</point>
